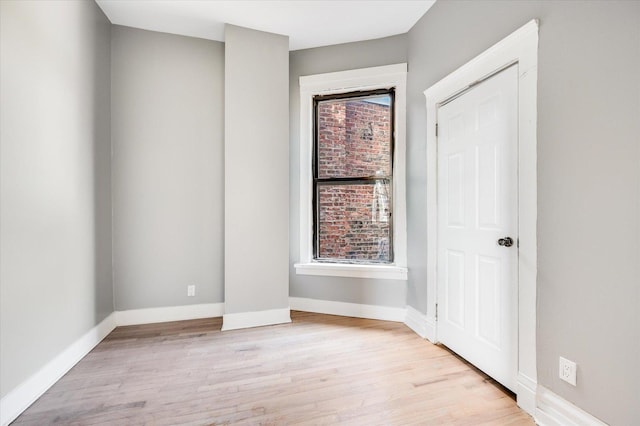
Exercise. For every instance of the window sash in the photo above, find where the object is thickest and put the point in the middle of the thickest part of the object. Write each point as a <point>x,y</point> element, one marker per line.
<point>357,180</point>
<point>316,228</point>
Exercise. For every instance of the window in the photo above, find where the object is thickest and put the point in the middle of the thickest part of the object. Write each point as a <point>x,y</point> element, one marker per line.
<point>352,177</point>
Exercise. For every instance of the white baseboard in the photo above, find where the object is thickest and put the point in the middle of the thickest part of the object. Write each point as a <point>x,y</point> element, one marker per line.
<point>356,310</point>
<point>553,410</point>
<point>170,313</point>
<point>526,389</point>
<point>20,398</point>
<point>255,319</point>
<point>423,325</point>
<point>547,408</point>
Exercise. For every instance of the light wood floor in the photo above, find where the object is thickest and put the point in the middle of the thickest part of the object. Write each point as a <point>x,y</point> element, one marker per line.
<point>320,369</point>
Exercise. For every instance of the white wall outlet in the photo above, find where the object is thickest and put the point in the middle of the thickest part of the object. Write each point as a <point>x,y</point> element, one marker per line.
<point>568,371</point>
<point>191,290</point>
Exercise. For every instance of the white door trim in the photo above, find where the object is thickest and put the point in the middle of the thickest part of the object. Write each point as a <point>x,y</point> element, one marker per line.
<point>520,47</point>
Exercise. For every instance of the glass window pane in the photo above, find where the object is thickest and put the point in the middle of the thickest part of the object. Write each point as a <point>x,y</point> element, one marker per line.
<point>354,137</point>
<point>354,222</point>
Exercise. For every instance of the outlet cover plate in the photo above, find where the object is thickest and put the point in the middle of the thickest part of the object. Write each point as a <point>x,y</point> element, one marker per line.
<point>191,290</point>
<point>568,371</point>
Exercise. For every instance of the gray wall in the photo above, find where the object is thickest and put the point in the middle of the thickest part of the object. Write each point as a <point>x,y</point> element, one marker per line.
<point>385,51</point>
<point>256,170</point>
<point>55,221</point>
<point>168,178</point>
<point>588,181</point>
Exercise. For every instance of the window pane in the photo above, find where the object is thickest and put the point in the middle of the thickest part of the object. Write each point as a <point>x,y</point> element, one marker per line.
<point>354,222</point>
<point>354,137</point>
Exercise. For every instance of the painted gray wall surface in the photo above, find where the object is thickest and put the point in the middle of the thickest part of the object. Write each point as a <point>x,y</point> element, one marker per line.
<point>168,178</point>
<point>372,53</point>
<point>588,181</point>
<point>55,221</point>
<point>256,170</point>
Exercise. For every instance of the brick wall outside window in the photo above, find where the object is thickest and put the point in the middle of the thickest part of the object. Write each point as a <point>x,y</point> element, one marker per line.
<point>354,140</point>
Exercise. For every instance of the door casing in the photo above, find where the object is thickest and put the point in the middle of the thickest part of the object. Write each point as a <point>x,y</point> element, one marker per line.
<point>520,48</point>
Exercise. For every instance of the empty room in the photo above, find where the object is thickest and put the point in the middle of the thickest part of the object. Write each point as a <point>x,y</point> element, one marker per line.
<point>320,212</point>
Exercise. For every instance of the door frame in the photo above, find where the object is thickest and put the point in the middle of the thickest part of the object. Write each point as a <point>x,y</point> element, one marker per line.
<point>520,48</point>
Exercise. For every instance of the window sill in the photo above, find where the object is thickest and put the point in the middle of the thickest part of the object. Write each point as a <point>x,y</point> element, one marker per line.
<point>382,272</point>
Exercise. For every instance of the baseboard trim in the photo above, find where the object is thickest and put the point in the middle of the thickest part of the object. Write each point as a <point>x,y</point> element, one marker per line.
<point>547,408</point>
<point>345,309</point>
<point>526,389</point>
<point>255,319</point>
<point>25,394</point>
<point>169,313</point>
<point>424,326</point>
<point>553,410</point>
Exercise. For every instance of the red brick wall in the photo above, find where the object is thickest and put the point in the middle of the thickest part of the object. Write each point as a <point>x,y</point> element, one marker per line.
<point>354,141</point>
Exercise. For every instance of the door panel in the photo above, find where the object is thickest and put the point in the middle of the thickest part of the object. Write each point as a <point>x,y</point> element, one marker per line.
<point>455,200</point>
<point>455,287</point>
<point>488,299</point>
<point>477,205</point>
<point>488,184</point>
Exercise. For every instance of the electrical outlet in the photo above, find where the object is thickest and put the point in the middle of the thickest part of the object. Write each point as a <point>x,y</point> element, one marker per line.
<point>191,290</point>
<point>568,371</point>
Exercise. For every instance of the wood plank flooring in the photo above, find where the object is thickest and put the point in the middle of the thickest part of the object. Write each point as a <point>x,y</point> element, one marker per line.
<point>320,369</point>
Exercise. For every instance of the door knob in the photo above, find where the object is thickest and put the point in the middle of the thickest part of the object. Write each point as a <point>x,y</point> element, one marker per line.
<point>505,242</point>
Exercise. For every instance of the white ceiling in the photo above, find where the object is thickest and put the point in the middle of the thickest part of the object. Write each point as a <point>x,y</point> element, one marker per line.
<point>307,23</point>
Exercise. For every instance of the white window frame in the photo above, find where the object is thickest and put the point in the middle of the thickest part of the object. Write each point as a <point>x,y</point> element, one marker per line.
<point>384,77</point>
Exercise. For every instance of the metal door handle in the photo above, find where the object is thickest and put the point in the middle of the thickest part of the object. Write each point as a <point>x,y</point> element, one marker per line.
<point>505,242</point>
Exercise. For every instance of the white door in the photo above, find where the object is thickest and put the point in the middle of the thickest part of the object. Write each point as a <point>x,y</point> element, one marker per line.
<point>477,211</point>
